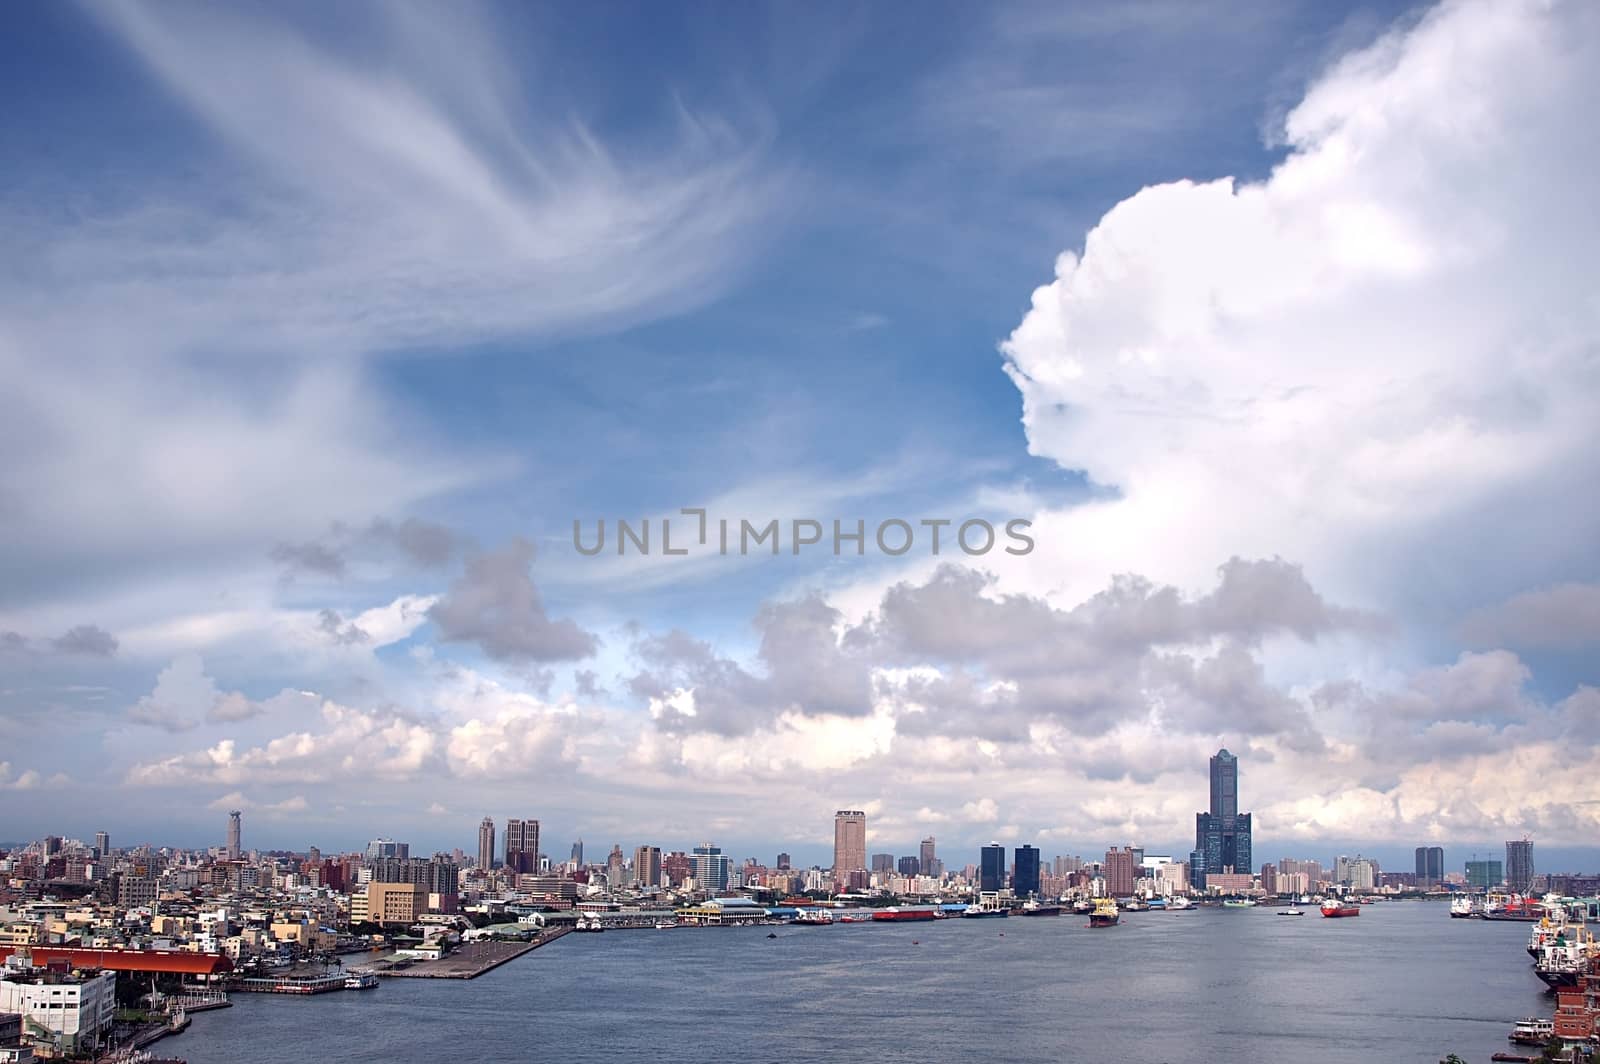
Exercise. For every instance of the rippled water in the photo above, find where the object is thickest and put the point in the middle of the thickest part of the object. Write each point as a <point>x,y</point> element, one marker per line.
<point>1402,983</point>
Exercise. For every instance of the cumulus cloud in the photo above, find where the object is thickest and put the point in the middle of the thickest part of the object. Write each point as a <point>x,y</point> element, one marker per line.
<point>185,697</point>
<point>496,605</point>
<point>86,639</point>
<point>1384,343</point>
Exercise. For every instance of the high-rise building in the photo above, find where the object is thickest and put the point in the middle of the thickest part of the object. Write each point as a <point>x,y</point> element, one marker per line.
<point>712,869</point>
<point>849,843</point>
<point>577,854</point>
<point>522,846</point>
<point>1222,835</point>
<point>1121,869</point>
<point>992,867</point>
<point>235,834</point>
<point>927,859</point>
<point>486,844</point>
<point>378,848</point>
<point>615,865</point>
<point>102,844</point>
<point>1485,875</point>
<point>909,866</point>
<point>647,867</point>
<point>1025,872</point>
<point>785,862</point>
<point>1430,865</point>
<point>882,863</point>
<point>1519,865</point>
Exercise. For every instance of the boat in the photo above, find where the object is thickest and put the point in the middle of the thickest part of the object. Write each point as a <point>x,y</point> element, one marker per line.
<point>589,923</point>
<point>1033,908</point>
<point>1238,903</point>
<point>1466,906</point>
<point>1179,904</point>
<point>1532,1031</point>
<point>1083,906</point>
<point>360,979</point>
<point>896,915</point>
<point>1545,932</point>
<point>813,918</point>
<point>978,912</point>
<point>668,925</point>
<point>1105,913</point>
<point>1514,908</point>
<point>1291,912</point>
<point>1157,904</point>
<point>1332,907</point>
<point>1564,960</point>
<point>1136,905</point>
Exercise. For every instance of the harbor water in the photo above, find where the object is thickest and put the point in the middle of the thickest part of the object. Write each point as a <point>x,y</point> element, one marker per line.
<point>1403,983</point>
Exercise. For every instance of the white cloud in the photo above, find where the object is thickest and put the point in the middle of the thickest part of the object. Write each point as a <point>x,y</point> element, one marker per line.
<point>1377,357</point>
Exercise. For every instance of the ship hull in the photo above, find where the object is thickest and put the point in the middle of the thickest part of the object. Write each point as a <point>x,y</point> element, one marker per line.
<point>1098,920</point>
<point>984,914</point>
<point>1341,911</point>
<point>902,915</point>
<point>1043,910</point>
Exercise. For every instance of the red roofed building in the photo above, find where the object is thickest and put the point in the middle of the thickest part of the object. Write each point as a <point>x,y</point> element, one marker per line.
<point>128,960</point>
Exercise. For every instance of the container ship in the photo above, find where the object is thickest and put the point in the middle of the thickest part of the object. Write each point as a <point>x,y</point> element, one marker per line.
<point>891,915</point>
<point>1105,913</point>
<point>1335,907</point>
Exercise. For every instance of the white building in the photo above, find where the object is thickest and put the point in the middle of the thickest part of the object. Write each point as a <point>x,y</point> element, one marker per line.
<point>72,1013</point>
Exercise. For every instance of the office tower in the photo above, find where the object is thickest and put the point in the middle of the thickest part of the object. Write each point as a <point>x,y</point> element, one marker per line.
<point>882,863</point>
<point>910,866</point>
<point>102,844</point>
<point>1430,865</point>
<point>1484,875</point>
<point>1222,835</point>
<point>711,868</point>
<point>577,854</point>
<point>1269,878</point>
<point>522,845</point>
<point>486,844</point>
<point>849,843</point>
<point>235,833</point>
<point>614,865</point>
<point>1025,872</point>
<point>992,867</point>
<point>926,858</point>
<point>647,867</point>
<point>379,848</point>
<point>1120,872</point>
<point>784,862</point>
<point>1519,865</point>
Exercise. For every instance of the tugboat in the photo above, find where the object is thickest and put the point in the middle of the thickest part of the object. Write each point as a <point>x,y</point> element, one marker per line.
<point>813,918</point>
<point>1332,907</point>
<point>1105,913</point>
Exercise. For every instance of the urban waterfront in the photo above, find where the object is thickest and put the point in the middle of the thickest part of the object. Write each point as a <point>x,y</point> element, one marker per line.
<point>1404,983</point>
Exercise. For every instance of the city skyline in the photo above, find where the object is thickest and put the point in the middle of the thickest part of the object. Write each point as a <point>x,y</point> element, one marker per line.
<point>302,420</point>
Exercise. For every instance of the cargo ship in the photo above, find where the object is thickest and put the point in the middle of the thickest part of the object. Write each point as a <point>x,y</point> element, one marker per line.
<point>978,912</point>
<point>1105,913</point>
<point>895,915</point>
<point>1562,961</point>
<point>1033,908</point>
<point>1335,907</point>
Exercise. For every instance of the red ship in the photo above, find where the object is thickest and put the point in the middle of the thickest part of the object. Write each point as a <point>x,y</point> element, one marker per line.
<point>905,914</point>
<point>1335,907</point>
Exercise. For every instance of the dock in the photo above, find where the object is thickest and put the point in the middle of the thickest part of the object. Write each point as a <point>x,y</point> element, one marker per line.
<point>468,961</point>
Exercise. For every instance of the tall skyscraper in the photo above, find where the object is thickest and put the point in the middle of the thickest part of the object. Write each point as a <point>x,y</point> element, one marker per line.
<point>615,865</point>
<point>909,866</point>
<point>784,862</point>
<point>235,834</point>
<point>849,843</point>
<point>711,868</point>
<point>1222,835</point>
<point>1121,870</point>
<point>1025,872</point>
<point>1430,865</point>
<point>486,844</point>
<point>577,854</point>
<point>882,863</point>
<point>647,867</point>
<point>992,867</point>
<point>926,858</point>
<point>102,844</point>
<point>1519,865</point>
<point>522,846</point>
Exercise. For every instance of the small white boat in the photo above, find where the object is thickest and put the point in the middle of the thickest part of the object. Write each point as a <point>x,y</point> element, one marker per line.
<point>360,979</point>
<point>666,925</point>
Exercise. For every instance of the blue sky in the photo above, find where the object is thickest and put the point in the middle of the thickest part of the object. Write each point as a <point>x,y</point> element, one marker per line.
<point>291,288</point>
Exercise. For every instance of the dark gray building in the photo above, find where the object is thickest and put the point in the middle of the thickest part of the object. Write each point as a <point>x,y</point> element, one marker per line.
<point>910,866</point>
<point>1430,865</point>
<point>992,867</point>
<point>1519,865</point>
<point>1222,836</point>
<point>1025,872</point>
